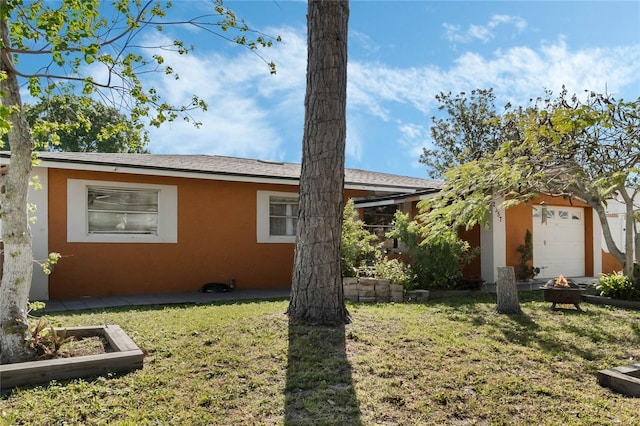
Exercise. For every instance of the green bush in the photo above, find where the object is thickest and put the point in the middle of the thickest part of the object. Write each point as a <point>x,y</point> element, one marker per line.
<point>617,286</point>
<point>394,270</point>
<point>525,270</point>
<point>436,260</point>
<point>358,248</point>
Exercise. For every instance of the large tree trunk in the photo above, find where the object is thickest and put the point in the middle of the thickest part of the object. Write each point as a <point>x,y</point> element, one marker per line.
<point>18,258</point>
<point>507,292</point>
<point>316,294</point>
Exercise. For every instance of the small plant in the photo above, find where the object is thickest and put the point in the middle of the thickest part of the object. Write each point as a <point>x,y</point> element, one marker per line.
<point>617,286</point>
<point>46,340</point>
<point>525,270</point>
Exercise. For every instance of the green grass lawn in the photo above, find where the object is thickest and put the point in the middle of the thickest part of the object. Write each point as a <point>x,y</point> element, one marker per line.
<point>448,362</point>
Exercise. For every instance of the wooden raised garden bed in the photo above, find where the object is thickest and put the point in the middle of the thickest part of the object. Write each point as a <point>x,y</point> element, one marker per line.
<point>625,380</point>
<point>123,356</point>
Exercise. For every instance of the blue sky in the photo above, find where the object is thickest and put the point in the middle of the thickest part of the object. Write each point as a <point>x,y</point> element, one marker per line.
<point>401,54</point>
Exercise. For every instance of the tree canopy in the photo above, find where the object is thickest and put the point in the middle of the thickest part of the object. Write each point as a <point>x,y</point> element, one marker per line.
<point>80,124</point>
<point>470,128</point>
<point>584,149</point>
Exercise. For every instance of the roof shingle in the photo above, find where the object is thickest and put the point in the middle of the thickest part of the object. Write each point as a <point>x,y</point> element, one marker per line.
<point>229,166</point>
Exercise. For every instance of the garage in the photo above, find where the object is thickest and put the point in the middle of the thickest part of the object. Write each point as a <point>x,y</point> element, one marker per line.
<point>558,241</point>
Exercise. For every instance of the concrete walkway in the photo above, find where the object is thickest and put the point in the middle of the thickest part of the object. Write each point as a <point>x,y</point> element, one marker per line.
<point>197,298</point>
<point>161,299</point>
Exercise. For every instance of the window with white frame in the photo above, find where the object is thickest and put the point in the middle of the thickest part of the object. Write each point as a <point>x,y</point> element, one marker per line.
<point>102,211</point>
<point>277,216</point>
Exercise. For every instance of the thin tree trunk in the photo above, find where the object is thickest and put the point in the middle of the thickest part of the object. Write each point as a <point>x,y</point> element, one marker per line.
<point>606,232</point>
<point>507,292</point>
<point>629,253</point>
<point>316,294</point>
<point>18,257</point>
<point>637,246</point>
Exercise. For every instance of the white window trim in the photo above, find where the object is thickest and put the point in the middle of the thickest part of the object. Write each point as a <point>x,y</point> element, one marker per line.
<point>77,213</point>
<point>262,217</point>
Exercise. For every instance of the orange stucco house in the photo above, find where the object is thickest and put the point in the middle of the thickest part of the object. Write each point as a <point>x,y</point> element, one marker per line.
<point>137,223</point>
<point>143,223</point>
<point>568,241</point>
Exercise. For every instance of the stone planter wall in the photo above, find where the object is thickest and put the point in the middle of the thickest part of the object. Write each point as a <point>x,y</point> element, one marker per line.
<point>418,295</point>
<point>371,290</point>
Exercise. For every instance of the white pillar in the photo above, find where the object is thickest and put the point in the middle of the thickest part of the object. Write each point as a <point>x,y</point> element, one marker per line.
<point>39,234</point>
<point>598,244</point>
<point>493,246</point>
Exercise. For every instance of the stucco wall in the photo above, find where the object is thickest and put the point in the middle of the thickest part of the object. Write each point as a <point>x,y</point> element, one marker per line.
<point>216,241</point>
<point>520,218</point>
<point>609,263</point>
<point>472,236</point>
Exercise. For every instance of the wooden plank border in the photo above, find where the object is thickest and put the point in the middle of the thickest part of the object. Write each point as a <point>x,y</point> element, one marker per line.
<point>624,379</point>
<point>125,356</point>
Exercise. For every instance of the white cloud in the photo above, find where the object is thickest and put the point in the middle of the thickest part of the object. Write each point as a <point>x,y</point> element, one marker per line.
<point>454,33</point>
<point>483,33</point>
<point>355,142</point>
<point>363,41</point>
<point>413,138</point>
<point>519,23</point>
<point>245,103</point>
<point>254,114</point>
<point>516,74</point>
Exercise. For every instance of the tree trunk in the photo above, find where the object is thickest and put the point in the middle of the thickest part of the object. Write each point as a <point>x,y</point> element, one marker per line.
<point>316,293</point>
<point>18,257</point>
<point>507,292</point>
<point>629,253</point>
<point>637,246</point>
<point>606,232</point>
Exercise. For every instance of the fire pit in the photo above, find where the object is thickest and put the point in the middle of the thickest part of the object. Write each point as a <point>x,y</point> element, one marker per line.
<point>562,291</point>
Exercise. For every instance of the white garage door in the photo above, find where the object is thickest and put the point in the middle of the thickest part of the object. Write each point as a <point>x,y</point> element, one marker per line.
<point>558,241</point>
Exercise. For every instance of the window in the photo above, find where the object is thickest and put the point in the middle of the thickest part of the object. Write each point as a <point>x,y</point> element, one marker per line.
<point>283,216</point>
<point>122,211</point>
<point>276,215</point>
<point>379,220</point>
<point>102,211</point>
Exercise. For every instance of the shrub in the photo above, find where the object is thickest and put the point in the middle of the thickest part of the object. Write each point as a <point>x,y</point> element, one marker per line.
<point>617,286</point>
<point>525,270</point>
<point>394,270</point>
<point>358,248</point>
<point>436,260</point>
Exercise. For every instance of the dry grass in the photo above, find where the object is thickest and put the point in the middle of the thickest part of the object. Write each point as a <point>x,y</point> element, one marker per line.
<point>452,362</point>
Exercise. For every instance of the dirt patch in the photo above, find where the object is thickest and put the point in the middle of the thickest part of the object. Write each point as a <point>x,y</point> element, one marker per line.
<point>91,345</point>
